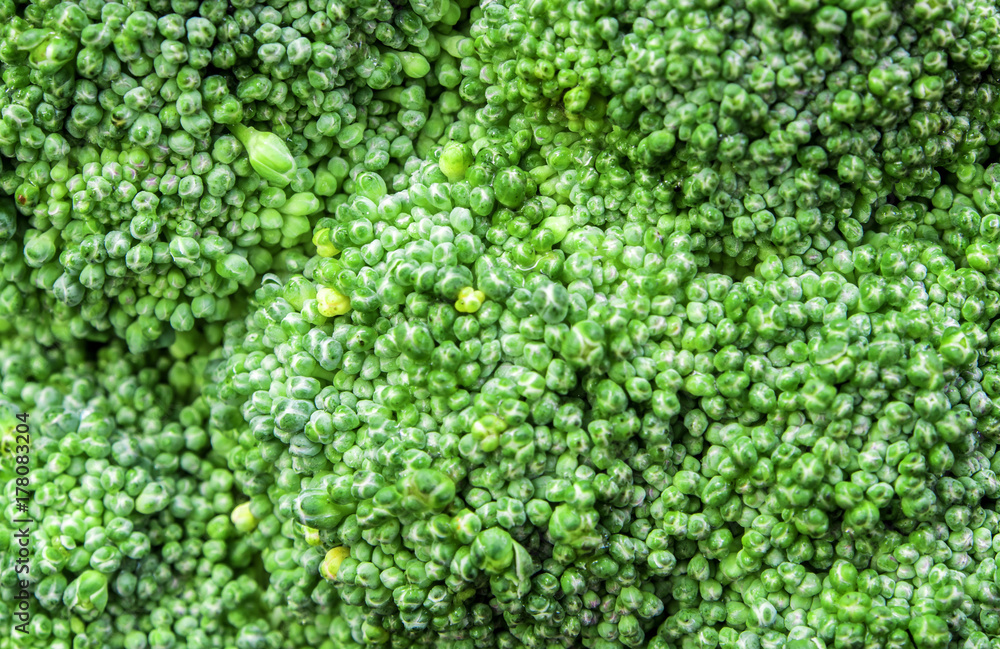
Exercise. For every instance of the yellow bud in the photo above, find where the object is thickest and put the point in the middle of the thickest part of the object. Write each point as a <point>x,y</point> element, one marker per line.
<point>324,246</point>
<point>311,535</point>
<point>243,519</point>
<point>327,251</point>
<point>332,303</point>
<point>331,562</point>
<point>469,300</point>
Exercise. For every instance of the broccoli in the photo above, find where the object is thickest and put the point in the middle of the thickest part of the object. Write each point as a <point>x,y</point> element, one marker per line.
<point>133,543</point>
<point>506,324</point>
<point>165,156</point>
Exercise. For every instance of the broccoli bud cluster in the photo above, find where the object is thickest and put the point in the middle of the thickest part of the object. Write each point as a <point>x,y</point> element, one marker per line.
<point>503,325</point>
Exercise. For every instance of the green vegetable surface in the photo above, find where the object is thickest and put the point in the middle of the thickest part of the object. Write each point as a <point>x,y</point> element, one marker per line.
<point>511,324</point>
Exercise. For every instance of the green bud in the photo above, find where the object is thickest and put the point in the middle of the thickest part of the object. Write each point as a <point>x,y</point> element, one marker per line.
<point>426,490</point>
<point>269,155</point>
<point>154,498</point>
<point>301,204</point>
<point>493,550</point>
<point>314,508</point>
<point>87,595</point>
<point>8,220</point>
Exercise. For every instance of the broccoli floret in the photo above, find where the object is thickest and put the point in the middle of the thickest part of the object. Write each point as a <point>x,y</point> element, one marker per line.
<point>503,325</point>
<point>141,214</point>
<point>128,507</point>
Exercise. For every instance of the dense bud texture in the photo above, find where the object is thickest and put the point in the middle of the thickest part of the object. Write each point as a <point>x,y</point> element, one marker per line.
<point>511,324</point>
